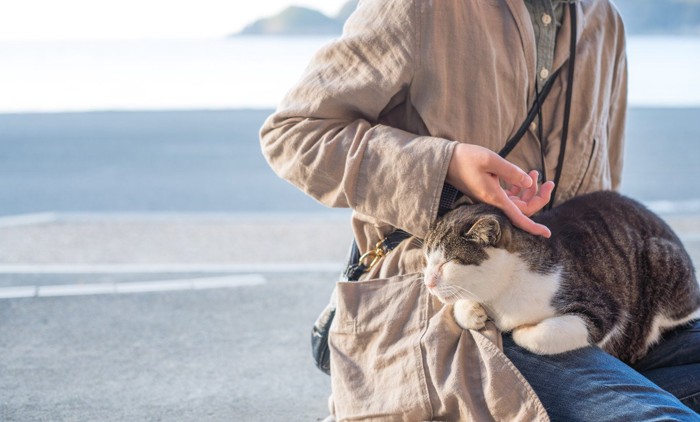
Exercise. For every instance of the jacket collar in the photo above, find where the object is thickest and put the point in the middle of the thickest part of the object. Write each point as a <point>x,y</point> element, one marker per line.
<point>561,51</point>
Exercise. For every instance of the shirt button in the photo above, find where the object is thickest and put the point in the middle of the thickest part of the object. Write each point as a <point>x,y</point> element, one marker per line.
<point>544,73</point>
<point>533,126</point>
<point>546,19</point>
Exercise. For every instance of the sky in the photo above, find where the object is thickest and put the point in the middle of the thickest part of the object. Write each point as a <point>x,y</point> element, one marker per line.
<point>22,20</point>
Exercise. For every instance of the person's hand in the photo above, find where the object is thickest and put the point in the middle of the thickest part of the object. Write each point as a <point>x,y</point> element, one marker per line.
<point>477,172</point>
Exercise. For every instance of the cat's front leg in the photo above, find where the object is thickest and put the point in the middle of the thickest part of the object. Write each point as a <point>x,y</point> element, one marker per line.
<point>469,315</point>
<point>553,335</point>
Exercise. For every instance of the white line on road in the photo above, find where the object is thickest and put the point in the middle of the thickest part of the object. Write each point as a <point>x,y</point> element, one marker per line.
<point>17,292</point>
<point>325,216</point>
<point>132,287</point>
<point>279,267</point>
<point>27,219</point>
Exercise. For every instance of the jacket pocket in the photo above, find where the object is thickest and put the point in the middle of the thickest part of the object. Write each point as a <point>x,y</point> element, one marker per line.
<point>377,305</point>
<point>596,174</point>
<point>376,356</point>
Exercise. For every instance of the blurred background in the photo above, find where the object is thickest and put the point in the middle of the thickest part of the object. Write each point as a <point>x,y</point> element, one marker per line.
<point>154,106</point>
<point>145,262</point>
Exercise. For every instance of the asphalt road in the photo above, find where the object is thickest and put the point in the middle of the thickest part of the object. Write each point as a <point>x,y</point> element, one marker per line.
<point>149,318</point>
<point>230,354</point>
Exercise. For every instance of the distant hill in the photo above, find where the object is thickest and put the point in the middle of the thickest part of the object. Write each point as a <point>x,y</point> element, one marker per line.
<point>296,20</point>
<point>642,17</point>
<point>347,10</point>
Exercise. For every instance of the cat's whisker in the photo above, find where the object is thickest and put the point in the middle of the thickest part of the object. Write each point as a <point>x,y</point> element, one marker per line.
<point>417,242</point>
<point>445,288</point>
<point>418,280</point>
<point>458,292</point>
<point>462,295</point>
<point>465,291</point>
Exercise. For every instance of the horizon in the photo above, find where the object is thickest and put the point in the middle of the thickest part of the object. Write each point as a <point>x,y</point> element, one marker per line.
<point>134,19</point>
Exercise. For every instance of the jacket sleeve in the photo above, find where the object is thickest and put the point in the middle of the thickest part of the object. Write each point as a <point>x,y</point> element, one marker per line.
<point>324,137</point>
<point>618,112</point>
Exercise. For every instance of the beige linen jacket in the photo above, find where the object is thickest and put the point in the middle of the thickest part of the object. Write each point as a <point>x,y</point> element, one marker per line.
<point>372,125</point>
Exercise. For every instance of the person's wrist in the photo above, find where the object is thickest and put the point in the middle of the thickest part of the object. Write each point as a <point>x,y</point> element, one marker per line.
<point>453,168</point>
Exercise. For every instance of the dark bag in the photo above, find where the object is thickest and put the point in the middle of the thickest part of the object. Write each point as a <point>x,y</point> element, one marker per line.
<point>319,337</point>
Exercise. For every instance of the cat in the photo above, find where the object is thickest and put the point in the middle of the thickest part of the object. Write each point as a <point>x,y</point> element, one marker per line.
<point>613,274</point>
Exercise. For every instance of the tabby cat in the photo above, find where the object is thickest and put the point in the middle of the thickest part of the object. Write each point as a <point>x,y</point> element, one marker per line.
<point>613,274</point>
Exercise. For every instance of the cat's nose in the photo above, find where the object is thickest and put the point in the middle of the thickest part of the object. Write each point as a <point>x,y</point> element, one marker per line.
<point>431,280</point>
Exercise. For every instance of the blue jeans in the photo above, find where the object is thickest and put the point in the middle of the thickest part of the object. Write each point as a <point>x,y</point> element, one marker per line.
<point>590,385</point>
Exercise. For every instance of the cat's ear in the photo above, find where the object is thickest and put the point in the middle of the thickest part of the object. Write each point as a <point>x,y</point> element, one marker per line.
<point>486,231</point>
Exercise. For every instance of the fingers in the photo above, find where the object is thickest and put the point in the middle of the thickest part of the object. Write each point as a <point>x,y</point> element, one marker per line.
<point>514,191</point>
<point>546,191</point>
<point>530,201</point>
<point>509,172</point>
<point>519,208</point>
<point>540,200</point>
<point>530,192</point>
<point>521,221</point>
<point>478,173</point>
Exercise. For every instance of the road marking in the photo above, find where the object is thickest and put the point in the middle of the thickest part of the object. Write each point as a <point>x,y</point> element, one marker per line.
<point>325,216</point>
<point>280,267</point>
<point>27,219</point>
<point>132,287</point>
<point>17,292</point>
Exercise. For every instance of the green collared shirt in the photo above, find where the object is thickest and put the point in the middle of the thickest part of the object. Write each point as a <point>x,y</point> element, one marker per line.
<point>546,18</point>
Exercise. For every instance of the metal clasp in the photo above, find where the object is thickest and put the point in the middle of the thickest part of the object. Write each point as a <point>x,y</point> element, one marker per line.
<point>375,255</point>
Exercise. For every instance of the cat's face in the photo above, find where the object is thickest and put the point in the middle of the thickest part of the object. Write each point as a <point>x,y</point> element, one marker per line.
<point>461,252</point>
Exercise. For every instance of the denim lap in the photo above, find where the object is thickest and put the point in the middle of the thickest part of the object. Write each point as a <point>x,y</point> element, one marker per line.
<point>674,364</point>
<point>677,347</point>
<point>589,384</point>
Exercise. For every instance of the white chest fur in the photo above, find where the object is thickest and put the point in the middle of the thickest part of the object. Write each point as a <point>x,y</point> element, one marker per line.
<point>512,294</point>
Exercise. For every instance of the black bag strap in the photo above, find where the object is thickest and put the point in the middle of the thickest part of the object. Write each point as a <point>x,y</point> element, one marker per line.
<point>567,105</point>
<point>534,111</point>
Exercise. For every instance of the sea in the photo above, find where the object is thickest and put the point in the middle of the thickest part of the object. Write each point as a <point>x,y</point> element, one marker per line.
<point>170,125</point>
<point>248,72</point>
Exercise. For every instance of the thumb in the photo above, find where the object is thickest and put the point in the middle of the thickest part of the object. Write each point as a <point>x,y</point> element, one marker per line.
<point>509,172</point>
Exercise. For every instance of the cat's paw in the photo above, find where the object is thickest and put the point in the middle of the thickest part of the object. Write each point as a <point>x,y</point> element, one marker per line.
<point>469,315</point>
<point>553,335</point>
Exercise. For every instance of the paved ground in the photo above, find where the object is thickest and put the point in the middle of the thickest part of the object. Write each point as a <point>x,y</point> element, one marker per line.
<point>178,350</point>
<point>238,353</point>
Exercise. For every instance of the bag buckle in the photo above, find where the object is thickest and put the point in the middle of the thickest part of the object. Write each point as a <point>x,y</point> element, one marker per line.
<point>374,255</point>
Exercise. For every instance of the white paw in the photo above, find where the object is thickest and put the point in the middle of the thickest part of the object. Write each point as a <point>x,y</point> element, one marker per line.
<point>531,338</point>
<point>469,315</point>
<point>553,335</point>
